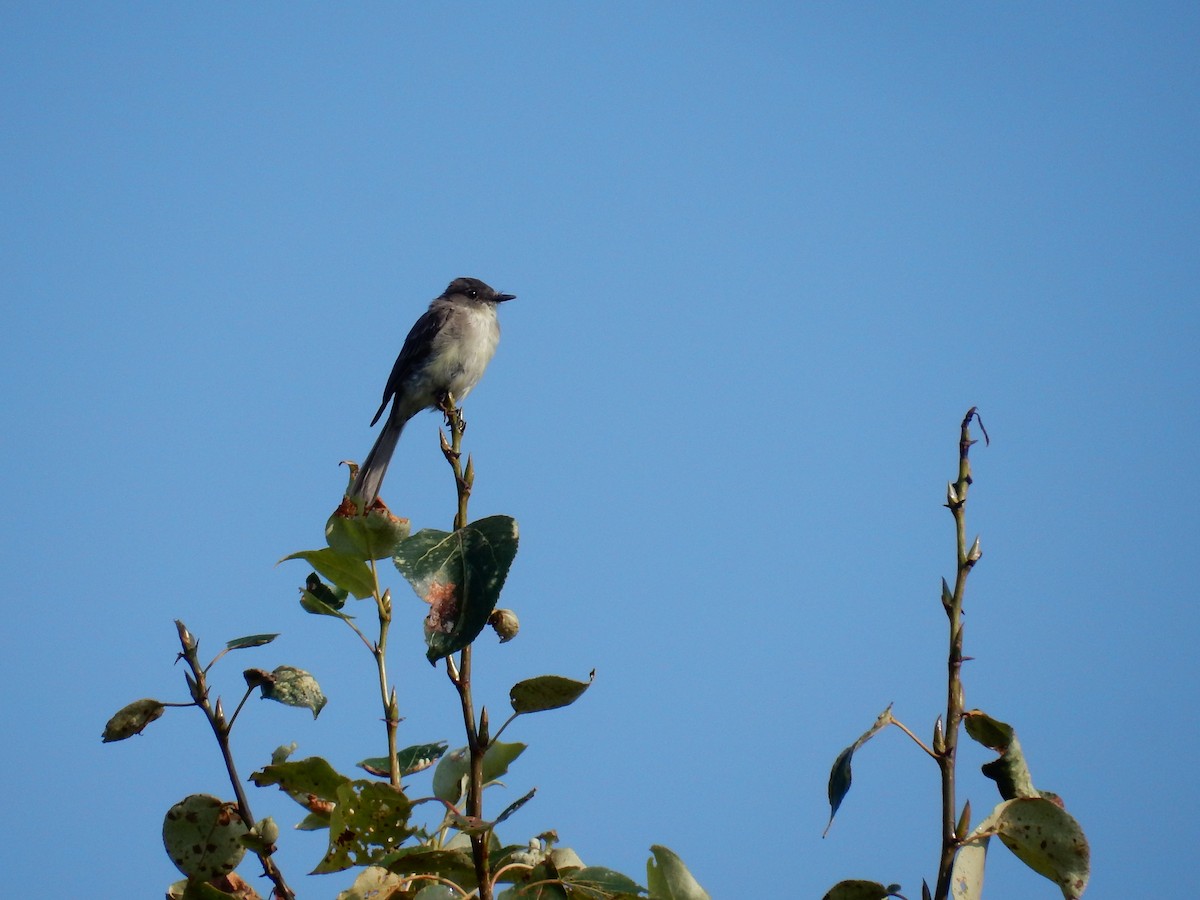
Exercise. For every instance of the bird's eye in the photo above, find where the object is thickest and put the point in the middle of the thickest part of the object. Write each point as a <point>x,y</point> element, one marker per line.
<point>472,293</point>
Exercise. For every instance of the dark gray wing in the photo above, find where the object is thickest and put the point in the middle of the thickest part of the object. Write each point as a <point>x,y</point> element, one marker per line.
<point>413,354</point>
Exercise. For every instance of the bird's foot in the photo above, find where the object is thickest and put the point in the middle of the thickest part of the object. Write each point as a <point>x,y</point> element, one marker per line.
<point>453,415</point>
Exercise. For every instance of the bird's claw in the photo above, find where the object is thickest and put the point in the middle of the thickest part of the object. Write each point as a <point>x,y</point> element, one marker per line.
<point>451,412</point>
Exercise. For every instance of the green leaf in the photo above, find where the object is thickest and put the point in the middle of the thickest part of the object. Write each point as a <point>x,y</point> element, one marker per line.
<point>380,766</point>
<point>372,883</point>
<point>565,859</point>
<point>602,879</point>
<point>454,865</point>
<point>449,778</point>
<point>312,603</point>
<point>966,874</point>
<point>549,879</point>
<point>131,719</point>
<point>294,687</point>
<point>190,889</point>
<point>553,874</point>
<point>305,781</point>
<point>419,757</point>
<point>1046,838</point>
<point>546,692</point>
<point>514,806</point>
<point>346,572</point>
<point>318,597</point>
<point>202,836</point>
<point>368,822</point>
<point>453,768</point>
<point>437,892</point>
<point>859,890</point>
<point>370,536</point>
<point>460,575</point>
<point>468,825</point>
<point>543,890</point>
<point>498,757</point>
<point>985,730</point>
<point>412,759</point>
<point>840,775</point>
<point>1010,771</point>
<point>314,821</point>
<point>669,879</point>
<point>250,640</point>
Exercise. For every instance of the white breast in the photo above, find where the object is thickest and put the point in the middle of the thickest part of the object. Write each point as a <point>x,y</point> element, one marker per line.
<point>464,349</point>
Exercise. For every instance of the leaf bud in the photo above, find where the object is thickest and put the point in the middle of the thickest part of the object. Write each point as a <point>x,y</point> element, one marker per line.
<point>964,822</point>
<point>185,637</point>
<point>268,830</point>
<point>504,622</point>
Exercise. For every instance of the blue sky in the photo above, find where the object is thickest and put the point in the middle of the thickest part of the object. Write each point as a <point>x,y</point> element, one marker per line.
<point>765,259</point>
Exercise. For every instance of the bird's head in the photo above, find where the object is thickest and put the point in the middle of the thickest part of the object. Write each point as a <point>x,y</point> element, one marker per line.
<point>475,290</point>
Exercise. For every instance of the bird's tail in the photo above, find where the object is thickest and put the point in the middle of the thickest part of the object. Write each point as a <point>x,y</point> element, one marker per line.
<point>370,474</point>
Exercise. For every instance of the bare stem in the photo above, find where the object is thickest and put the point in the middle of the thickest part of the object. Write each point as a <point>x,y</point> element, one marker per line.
<point>391,711</point>
<point>956,500</point>
<point>198,684</point>
<point>460,675</point>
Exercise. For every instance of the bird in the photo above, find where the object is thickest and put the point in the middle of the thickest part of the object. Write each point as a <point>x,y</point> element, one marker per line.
<point>444,355</point>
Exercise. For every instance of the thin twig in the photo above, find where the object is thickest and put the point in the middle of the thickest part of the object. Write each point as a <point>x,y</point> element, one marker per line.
<point>956,502</point>
<point>507,722</point>
<point>916,739</point>
<point>245,697</point>
<point>198,684</point>
<point>460,675</point>
<point>391,711</point>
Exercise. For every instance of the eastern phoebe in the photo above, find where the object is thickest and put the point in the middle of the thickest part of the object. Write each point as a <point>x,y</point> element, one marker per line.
<point>445,353</point>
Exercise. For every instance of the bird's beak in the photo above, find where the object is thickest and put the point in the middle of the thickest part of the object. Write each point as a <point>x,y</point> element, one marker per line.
<point>500,298</point>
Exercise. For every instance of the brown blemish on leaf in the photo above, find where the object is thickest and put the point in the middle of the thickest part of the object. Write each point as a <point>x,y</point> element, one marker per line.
<point>443,606</point>
<point>315,804</point>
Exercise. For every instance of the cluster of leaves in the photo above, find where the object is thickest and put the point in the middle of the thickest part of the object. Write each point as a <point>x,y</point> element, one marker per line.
<point>1032,824</point>
<point>371,820</point>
